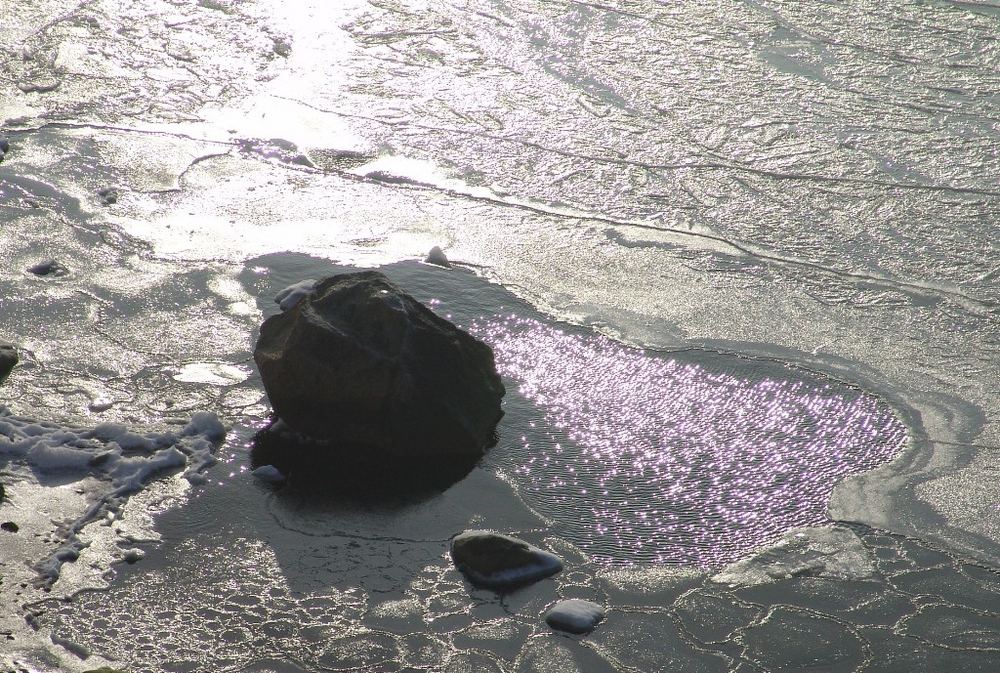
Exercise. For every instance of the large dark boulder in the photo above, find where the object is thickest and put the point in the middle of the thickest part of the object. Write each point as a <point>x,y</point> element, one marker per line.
<point>359,362</point>
<point>8,358</point>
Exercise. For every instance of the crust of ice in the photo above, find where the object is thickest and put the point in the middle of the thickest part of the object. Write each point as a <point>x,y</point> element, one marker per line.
<point>825,551</point>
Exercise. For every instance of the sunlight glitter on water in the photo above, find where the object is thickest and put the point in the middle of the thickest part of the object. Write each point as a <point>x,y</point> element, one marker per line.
<point>657,459</point>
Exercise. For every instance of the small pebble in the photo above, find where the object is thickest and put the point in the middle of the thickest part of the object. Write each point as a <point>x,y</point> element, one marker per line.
<point>9,526</point>
<point>109,195</point>
<point>437,257</point>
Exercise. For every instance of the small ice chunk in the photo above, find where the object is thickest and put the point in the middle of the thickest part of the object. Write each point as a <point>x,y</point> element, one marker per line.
<point>574,615</point>
<point>133,555</point>
<point>291,295</point>
<point>206,424</point>
<point>500,561</point>
<point>100,404</point>
<point>437,257</point>
<point>268,473</point>
<point>212,373</point>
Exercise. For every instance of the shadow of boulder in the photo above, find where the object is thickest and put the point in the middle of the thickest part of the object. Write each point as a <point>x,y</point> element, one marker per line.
<point>325,472</point>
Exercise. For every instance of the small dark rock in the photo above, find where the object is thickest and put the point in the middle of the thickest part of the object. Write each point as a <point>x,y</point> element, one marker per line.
<point>574,616</point>
<point>108,195</point>
<point>8,358</point>
<point>9,526</point>
<point>500,561</point>
<point>437,257</point>
<point>362,364</point>
<point>49,267</point>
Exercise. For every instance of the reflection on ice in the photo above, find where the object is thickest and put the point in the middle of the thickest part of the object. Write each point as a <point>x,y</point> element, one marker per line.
<point>657,459</point>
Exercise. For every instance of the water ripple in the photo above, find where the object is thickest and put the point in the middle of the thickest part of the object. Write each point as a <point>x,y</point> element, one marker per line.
<point>655,459</point>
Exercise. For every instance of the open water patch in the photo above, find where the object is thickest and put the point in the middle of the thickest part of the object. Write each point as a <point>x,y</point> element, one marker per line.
<point>692,458</point>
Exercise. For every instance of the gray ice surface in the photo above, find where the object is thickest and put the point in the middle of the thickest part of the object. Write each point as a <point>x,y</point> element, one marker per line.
<point>811,184</point>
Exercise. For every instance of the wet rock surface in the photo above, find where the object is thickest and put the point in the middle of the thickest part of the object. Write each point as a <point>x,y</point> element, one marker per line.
<point>8,359</point>
<point>574,615</point>
<point>360,363</point>
<point>500,561</point>
<point>49,267</point>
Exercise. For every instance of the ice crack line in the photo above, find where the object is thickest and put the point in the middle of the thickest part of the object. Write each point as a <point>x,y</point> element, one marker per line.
<point>976,305</point>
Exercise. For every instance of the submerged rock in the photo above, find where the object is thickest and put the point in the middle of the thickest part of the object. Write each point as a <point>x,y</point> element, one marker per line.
<point>321,470</point>
<point>360,363</point>
<point>8,358</point>
<point>498,561</point>
<point>574,615</point>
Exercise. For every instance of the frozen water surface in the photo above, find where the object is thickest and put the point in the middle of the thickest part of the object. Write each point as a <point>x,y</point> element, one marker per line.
<point>745,279</point>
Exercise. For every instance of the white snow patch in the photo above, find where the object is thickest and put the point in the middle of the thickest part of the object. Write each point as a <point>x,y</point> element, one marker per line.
<point>575,615</point>
<point>291,295</point>
<point>268,473</point>
<point>109,452</point>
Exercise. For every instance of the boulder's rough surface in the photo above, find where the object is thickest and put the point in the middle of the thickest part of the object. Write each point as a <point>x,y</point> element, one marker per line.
<point>574,615</point>
<point>360,362</point>
<point>500,561</point>
<point>8,358</point>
